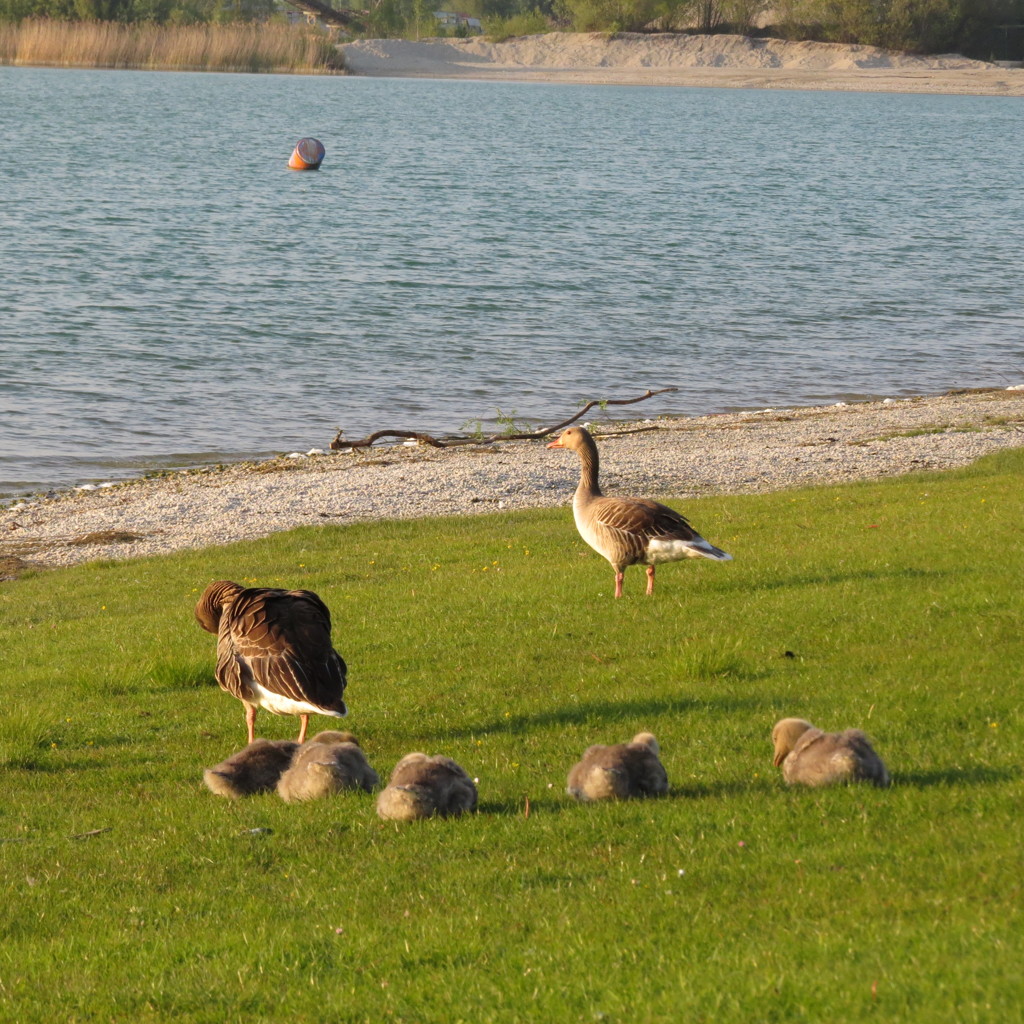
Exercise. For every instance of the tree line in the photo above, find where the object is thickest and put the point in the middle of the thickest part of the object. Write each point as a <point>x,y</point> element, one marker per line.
<point>987,29</point>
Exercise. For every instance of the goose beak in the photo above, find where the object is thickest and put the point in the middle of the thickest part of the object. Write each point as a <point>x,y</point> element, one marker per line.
<point>778,759</point>
<point>557,443</point>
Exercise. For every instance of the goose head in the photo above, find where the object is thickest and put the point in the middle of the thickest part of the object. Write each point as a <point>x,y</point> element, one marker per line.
<point>574,438</point>
<point>216,597</point>
<point>646,739</point>
<point>785,735</point>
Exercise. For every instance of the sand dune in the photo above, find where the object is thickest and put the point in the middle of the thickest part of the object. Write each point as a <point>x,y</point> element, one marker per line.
<point>716,61</point>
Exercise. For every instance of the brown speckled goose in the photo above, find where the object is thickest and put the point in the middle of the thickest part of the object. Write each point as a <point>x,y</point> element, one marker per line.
<point>422,786</point>
<point>274,651</point>
<point>331,762</point>
<point>810,757</point>
<point>628,531</point>
<point>619,772</point>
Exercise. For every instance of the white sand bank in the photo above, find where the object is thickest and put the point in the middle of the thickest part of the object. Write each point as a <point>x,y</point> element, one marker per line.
<point>727,61</point>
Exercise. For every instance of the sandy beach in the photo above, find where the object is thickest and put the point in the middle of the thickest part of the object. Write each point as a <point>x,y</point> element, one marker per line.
<point>715,61</point>
<point>732,453</point>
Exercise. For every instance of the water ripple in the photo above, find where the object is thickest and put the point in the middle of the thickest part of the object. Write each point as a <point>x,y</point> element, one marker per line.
<point>173,295</point>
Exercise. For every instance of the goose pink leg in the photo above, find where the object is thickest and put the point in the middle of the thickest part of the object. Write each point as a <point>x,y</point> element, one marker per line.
<point>650,580</point>
<point>250,720</point>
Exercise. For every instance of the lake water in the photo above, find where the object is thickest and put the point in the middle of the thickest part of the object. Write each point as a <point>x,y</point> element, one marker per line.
<point>171,294</point>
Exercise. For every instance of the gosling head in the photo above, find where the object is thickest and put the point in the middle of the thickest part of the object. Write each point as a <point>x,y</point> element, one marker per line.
<point>784,737</point>
<point>332,736</point>
<point>646,739</point>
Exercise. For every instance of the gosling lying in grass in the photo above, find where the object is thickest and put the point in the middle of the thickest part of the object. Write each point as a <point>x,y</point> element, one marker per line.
<point>254,769</point>
<point>422,786</point>
<point>619,772</point>
<point>810,757</point>
<point>331,762</point>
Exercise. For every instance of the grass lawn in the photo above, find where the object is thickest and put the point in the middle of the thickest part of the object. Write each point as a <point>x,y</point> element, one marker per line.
<point>130,893</point>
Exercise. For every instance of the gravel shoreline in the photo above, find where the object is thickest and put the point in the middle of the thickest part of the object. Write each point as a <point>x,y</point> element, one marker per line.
<point>731,453</point>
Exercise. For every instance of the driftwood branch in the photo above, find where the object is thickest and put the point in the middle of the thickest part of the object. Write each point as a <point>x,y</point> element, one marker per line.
<point>452,441</point>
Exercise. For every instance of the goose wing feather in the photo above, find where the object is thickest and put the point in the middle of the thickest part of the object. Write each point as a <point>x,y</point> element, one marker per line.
<point>280,639</point>
<point>642,518</point>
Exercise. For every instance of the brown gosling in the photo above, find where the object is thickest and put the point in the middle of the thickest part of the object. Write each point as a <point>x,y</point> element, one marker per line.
<point>810,757</point>
<point>274,651</point>
<point>329,763</point>
<point>619,772</point>
<point>421,787</point>
<point>254,769</point>
<point>628,531</point>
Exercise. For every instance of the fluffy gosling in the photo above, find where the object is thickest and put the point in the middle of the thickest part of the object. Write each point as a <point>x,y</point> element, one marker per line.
<point>422,786</point>
<point>331,762</point>
<point>254,769</point>
<point>619,772</point>
<point>810,757</point>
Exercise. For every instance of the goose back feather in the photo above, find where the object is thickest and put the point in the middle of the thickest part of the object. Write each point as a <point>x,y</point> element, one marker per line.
<point>811,757</point>
<point>619,772</point>
<point>422,786</point>
<point>329,763</point>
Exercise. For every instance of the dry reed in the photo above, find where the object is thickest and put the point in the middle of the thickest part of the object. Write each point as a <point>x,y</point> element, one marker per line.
<point>240,47</point>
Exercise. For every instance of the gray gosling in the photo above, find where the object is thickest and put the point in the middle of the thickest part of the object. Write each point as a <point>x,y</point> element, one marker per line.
<point>619,772</point>
<point>254,769</point>
<point>810,757</point>
<point>422,786</point>
<point>331,762</point>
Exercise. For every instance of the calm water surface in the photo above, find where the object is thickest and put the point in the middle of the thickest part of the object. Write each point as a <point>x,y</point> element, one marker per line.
<point>171,294</point>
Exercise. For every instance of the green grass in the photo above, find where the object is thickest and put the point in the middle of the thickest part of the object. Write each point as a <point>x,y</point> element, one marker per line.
<point>892,606</point>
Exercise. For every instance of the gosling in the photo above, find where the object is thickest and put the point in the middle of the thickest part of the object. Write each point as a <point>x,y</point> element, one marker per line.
<point>619,772</point>
<point>810,757</point>
<point>254,769</point>
<point>331,762</point>
<point>421,787</point>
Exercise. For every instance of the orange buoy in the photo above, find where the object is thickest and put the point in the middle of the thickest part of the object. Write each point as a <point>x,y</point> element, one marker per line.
<point>308,155</point>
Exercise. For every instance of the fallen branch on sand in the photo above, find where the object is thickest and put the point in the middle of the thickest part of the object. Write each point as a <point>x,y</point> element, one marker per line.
<point>454,440</point>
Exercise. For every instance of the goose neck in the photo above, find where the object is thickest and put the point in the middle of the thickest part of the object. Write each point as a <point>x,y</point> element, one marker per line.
<point>589,464</point>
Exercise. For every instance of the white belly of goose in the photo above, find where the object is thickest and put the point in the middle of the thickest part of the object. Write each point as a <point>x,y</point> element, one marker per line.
<point>278,705</point>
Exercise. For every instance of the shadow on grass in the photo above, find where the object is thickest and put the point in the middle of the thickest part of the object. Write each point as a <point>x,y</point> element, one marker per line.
<point>978,775</point>
<point>724,788</point>
<point>600,712</point>
<point>823,579</point>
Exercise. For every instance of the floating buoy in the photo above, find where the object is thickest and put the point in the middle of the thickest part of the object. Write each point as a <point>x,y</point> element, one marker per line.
<point>308,155</point>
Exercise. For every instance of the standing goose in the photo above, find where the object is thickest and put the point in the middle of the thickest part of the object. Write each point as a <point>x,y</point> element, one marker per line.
<point>628,531</point>
<point>811,757</point>
<point>274,651</point>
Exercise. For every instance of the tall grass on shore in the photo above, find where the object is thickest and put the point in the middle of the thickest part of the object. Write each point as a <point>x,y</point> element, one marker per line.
<point>130,893</point>
<point>234,47</point>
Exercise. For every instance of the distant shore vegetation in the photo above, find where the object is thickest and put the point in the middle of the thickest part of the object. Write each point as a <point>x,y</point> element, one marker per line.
<point>262,35</point>
<point>984,29</point>
<point>237,46</point>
